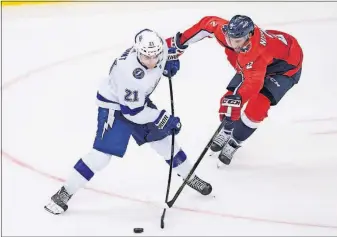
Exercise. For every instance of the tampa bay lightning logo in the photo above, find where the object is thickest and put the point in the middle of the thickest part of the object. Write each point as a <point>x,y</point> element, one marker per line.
<point>138,73</point>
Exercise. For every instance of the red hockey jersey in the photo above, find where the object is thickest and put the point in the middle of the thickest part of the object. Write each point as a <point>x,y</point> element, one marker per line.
<point>271,52</point>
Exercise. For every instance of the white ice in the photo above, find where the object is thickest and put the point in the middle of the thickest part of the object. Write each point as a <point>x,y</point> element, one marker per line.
<point>282,182</point>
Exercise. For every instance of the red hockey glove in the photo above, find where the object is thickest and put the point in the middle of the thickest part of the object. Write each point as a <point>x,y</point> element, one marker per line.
<point>230,106</point>
<point>174,42</point>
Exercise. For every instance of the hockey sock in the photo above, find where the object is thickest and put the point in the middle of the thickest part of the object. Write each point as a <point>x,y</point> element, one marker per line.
<point>85,169</point>
<point>181,165</point>
<point>241,131</point>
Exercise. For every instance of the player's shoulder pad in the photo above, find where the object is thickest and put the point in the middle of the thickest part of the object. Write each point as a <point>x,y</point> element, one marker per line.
<point>259,40</point>
<point>128,69</point>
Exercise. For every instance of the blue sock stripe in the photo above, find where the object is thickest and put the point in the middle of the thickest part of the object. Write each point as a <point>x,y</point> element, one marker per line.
<point>179,158</point>
<point>84,170</point>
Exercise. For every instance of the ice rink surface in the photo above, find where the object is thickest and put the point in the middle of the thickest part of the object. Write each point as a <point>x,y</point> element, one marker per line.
<point>282,182</point>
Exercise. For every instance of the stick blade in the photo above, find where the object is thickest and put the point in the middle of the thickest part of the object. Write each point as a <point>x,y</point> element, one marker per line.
<point>162,223</point>
<point>170,203</point>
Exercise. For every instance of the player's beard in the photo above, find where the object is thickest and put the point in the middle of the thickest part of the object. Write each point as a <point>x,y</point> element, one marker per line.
<point>239,47</point>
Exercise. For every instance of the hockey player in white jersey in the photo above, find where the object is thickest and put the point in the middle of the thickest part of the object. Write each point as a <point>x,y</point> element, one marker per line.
<point>126,110</point>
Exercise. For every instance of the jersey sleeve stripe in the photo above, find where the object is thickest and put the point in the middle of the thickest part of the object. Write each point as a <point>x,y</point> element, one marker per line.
<point>197,37</point>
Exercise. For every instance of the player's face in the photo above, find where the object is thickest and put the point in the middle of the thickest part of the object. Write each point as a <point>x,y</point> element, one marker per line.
<point>237,43</point>
<point>149,61</point>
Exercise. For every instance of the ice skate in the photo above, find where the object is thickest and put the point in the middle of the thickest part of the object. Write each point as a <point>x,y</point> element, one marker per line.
<point>220,140</point>
<point>200,185</point>
<point>58,203</point>
<point>228,151</point>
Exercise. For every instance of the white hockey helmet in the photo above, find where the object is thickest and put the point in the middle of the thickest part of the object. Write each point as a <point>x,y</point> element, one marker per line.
<point>149,45</point>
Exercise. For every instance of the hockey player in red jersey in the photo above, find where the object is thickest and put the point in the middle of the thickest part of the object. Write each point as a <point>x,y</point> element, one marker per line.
<point>267,63</point>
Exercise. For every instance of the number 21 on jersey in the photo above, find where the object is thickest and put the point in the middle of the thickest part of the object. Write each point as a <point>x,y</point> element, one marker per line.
<point>131,96</point>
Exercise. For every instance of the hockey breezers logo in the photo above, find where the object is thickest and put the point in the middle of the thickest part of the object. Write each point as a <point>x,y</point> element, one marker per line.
<point>108,124</point>
<point>274,81</point>
<point>105,128</point>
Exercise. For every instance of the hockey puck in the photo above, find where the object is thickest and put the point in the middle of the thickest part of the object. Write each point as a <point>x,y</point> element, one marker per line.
<point>138,230</point>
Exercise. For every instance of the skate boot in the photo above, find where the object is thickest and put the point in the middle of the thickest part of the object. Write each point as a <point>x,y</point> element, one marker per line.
<point>220,140</point>
<point>58,203</point>
<point>200,185</point>
<point>228,151</point>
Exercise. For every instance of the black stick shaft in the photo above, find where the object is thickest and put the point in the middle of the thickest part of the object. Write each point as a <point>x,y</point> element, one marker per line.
<point>172,144</point>
<point>172,154</point>
<point>170,203</point>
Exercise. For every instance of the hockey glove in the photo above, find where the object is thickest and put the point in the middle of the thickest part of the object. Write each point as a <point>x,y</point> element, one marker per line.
<point>172,64</point>
<point>230,106</point>
<point>174,42</point>
<point>164,126</point>
<point>167,123</point>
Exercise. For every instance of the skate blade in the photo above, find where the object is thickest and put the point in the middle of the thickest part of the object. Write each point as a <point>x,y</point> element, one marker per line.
<point>220,165</point>
<point>50,211</point>
<point>209,197</point>
<point>53,208</point>
<point>213,153</point>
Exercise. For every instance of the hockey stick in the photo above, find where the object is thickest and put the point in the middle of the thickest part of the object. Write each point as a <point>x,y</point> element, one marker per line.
<point>162,224</point>
<point>170,203</point>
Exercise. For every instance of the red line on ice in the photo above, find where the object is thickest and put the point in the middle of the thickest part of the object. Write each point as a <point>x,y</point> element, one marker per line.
<point>206,212</point>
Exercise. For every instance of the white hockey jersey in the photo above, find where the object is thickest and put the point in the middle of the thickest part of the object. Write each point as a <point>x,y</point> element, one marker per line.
<point>129,86</point>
